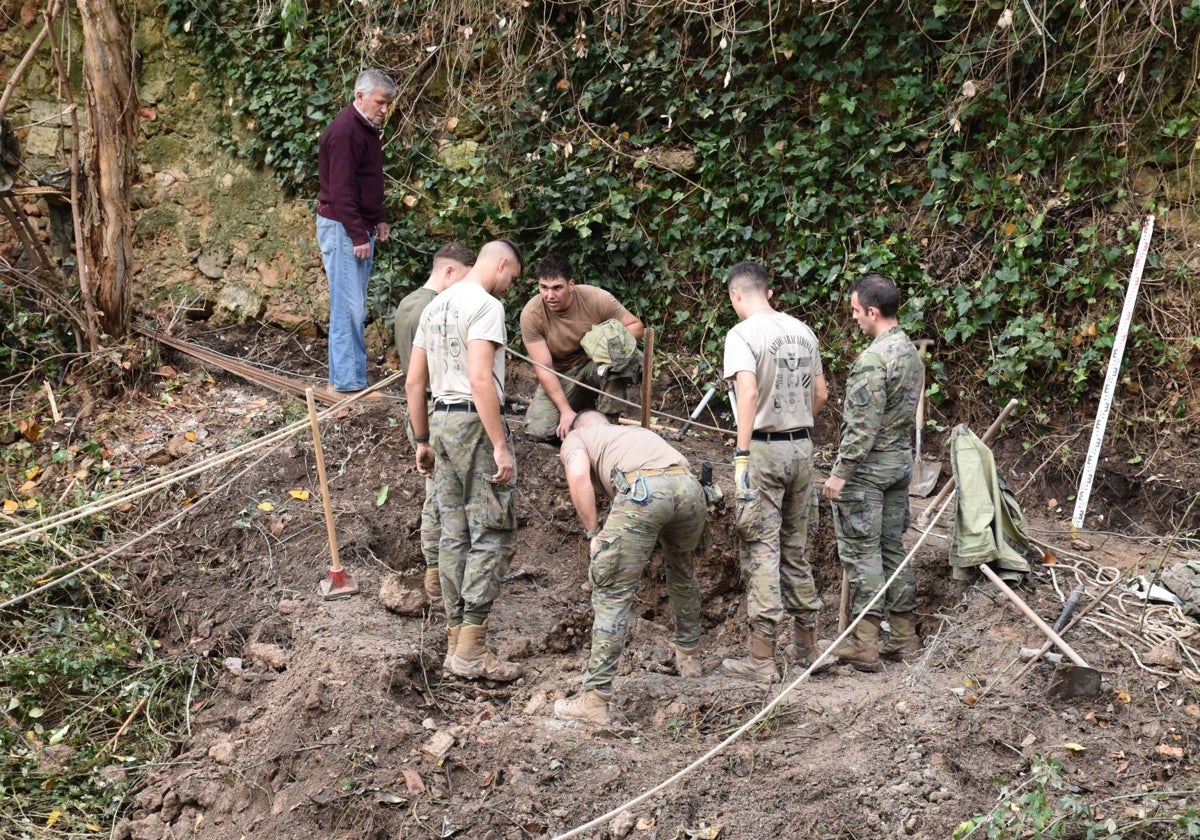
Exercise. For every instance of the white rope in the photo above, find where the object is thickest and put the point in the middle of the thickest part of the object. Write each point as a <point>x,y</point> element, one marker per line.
<point>766,710</point>
<point>137,491</point>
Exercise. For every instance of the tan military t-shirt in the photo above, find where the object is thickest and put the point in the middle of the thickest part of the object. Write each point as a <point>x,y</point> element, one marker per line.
<point>562,331</point>
<point>463,313</point>
<point>782,353</point>
<point>627,448</point>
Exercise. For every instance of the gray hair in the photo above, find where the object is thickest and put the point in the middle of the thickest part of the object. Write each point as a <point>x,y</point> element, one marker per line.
<point>369,81</point>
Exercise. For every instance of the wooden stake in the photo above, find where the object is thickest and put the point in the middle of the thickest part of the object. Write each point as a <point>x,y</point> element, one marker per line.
<point>647,374</point>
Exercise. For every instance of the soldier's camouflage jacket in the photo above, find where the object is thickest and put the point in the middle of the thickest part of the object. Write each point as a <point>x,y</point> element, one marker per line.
<point>881,402</point>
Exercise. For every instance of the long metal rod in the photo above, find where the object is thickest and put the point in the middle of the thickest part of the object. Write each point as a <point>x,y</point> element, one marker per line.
<point>1110,378</point>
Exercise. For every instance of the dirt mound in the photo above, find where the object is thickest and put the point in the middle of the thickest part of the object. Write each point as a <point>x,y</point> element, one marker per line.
<point>332,719</point>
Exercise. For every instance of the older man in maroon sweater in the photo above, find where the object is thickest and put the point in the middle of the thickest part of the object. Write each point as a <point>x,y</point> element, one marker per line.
<point>350,218</point>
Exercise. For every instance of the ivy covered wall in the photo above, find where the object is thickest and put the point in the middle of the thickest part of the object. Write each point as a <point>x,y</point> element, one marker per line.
<point>998,160</point>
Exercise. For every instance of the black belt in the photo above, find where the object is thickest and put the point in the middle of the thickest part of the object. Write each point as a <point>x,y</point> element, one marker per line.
<point>438,405</point>
<point>794,434</point>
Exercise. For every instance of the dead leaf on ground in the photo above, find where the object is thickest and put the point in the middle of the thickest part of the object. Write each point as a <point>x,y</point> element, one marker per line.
<point>412,782</point>
<point>1170,752</point>
<point>1192,710</point>
<point>29,429</point>
<point>302,495</point>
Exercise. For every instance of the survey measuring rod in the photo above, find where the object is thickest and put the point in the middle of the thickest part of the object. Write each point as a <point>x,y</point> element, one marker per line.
<point>1110,378</point>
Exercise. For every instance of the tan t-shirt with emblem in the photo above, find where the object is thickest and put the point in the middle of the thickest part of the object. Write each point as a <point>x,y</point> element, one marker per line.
<point>782,353</point>
<point>463,313</point>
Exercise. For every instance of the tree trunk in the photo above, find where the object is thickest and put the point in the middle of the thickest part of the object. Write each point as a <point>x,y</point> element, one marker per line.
<point>108,159</point>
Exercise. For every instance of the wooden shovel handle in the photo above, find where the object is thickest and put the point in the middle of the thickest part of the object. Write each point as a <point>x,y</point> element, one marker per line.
<point>1032,616</point>
<point>316,433</point>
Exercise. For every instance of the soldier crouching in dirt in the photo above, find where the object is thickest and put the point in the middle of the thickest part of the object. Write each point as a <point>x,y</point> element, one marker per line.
<point>868,484</point>
<point>458,353</point>
<point>655,498</point>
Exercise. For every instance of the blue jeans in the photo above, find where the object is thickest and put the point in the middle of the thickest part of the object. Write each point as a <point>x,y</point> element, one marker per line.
<point>348,277</point>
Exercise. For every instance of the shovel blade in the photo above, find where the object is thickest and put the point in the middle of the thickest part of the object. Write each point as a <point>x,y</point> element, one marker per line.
<point>1070,681</point>
<point>339,584</point>
<point>924,478</point>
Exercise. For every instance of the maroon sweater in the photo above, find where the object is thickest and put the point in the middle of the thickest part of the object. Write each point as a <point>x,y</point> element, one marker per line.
<point>350,163</point>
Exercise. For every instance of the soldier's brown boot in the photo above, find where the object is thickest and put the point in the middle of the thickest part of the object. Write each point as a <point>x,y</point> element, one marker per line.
<point>588,707</point>
<point>687,662</point>
<point>433,587</point>
<point>758,666</point>
<point>862,649</point>
<point>904,643</point>
<point>451,644</point>
<point>472,660</point>
<point>805,649</point>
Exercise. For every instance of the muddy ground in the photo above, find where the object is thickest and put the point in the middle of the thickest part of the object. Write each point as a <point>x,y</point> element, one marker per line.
<point>332,719</point>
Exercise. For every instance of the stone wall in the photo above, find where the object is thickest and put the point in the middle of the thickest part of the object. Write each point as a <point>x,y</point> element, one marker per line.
<point>212,236</point>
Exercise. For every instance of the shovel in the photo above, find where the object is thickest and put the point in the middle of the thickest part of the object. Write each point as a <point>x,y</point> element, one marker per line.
<point>924,476</point>
<point>1079,681</point>
<point>339,584</point>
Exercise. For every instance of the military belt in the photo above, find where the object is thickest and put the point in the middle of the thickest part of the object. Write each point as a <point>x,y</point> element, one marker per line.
<point>794,434</point>
<point>677,469</point>
<point>438,405</point>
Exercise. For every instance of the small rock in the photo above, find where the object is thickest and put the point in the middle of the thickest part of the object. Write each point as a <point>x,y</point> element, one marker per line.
<point>515,649</point>
<point>398,597</point>
<point>621,825</point>
<point>209,266</point>
<point>536,703</point>
<point>272,656</point>
<point>233,664</point>
<point>1164,655</point>
<point>221,752</point>
<point>437,747</point>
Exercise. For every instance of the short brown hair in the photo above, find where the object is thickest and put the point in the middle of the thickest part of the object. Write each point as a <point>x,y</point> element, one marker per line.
<point>456,251</point>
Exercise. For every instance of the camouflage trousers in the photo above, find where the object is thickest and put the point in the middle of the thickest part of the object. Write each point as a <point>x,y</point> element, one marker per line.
<point>478,517</point>
<point>674,514</point>
<point>773,532</point>
<point>870,520</point>
<point>431,520</point>
<point>541,420</point>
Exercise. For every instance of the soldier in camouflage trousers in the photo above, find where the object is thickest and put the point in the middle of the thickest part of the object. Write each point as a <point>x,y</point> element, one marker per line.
<point>450,263</point>
<point>458,355</point>
<point>656,499</point>
<point>775,364</point>
<point>868,484</point>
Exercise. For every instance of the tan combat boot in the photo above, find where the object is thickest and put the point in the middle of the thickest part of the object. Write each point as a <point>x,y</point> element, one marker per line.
<point>588,707</point>
<point>904,643</point>
<point>805,649</point>
<point>472,660</point>
<point>758,666</point>
<point>433,587</point>
<point>687,662</point>
<point>862,649</point>
<point>451,644</point>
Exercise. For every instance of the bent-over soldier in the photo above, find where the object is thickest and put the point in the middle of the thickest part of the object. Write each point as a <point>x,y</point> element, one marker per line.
<point>655,499</point>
